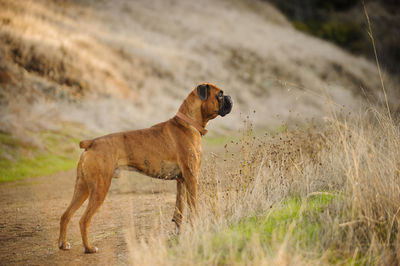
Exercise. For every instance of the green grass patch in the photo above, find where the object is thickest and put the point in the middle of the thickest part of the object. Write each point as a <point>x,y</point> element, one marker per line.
<point>58,151</point>
<point>218,140</point>
<point>43,164</point>
<point>8,140</point>
<point>296,218</point>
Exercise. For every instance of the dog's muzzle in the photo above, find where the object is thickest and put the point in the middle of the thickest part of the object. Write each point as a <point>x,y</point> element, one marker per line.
<point>226,106</point>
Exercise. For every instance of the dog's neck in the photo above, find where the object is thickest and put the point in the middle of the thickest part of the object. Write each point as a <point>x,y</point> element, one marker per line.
<point>192,123</point>
<point>189,112</point>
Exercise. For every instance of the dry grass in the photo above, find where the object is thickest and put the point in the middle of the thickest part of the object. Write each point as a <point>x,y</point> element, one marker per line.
<point>355,162</point>
<point>43,46</point>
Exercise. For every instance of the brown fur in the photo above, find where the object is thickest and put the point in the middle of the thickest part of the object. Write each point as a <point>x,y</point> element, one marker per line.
<point>170,150</point>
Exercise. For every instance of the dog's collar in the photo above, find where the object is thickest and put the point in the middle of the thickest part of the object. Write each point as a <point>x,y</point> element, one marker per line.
<point>191,122</point>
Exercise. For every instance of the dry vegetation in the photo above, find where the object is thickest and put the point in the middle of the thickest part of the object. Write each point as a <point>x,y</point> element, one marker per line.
<point>319,195</point>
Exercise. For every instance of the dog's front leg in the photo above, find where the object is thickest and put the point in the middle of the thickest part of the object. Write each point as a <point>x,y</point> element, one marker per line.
<point>190,179</point>
<point>190,166</point>
<point>180,203</point>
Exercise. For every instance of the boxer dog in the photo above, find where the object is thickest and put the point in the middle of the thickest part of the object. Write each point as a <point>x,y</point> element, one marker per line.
<point>170,150</point>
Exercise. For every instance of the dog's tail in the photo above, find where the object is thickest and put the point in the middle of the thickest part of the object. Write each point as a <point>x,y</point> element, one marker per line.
<point>85,144</point>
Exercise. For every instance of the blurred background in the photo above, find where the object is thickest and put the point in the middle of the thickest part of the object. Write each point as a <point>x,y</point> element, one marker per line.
<point>127,64</point>
<point>76,69</point>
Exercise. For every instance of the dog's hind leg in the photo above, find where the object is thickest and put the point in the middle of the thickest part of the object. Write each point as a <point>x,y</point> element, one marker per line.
<point>80,195</point>
<point>97,195</point>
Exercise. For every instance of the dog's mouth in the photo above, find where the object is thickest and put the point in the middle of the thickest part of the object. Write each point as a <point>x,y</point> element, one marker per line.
<point>226,106</point>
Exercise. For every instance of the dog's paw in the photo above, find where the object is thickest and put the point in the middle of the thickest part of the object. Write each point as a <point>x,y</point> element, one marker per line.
<point>64,245</point>
<point>91,250</point>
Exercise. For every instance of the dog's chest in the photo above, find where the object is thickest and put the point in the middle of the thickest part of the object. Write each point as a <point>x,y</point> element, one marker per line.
<point>167,170</point>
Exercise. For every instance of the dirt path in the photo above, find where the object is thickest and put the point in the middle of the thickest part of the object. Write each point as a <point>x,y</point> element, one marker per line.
<point>30,212</point>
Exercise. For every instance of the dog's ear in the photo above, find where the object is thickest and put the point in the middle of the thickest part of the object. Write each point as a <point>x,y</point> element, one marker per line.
<point>202,91</point>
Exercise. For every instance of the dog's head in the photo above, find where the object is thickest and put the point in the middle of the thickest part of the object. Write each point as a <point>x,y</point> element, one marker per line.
<point>214,102</point>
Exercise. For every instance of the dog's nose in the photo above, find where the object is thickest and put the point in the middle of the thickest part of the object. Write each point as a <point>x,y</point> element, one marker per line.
<point>228,100</point>
<point>227,105</point>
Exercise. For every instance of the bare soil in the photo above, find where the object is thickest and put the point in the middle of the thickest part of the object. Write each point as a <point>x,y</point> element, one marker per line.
<point>30,211</point>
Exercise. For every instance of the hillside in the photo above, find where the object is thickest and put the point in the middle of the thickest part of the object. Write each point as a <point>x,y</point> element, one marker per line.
<point>119,65</point>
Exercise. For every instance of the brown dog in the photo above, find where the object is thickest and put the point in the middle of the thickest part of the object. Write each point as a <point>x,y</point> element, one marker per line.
<point>170,150</point>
